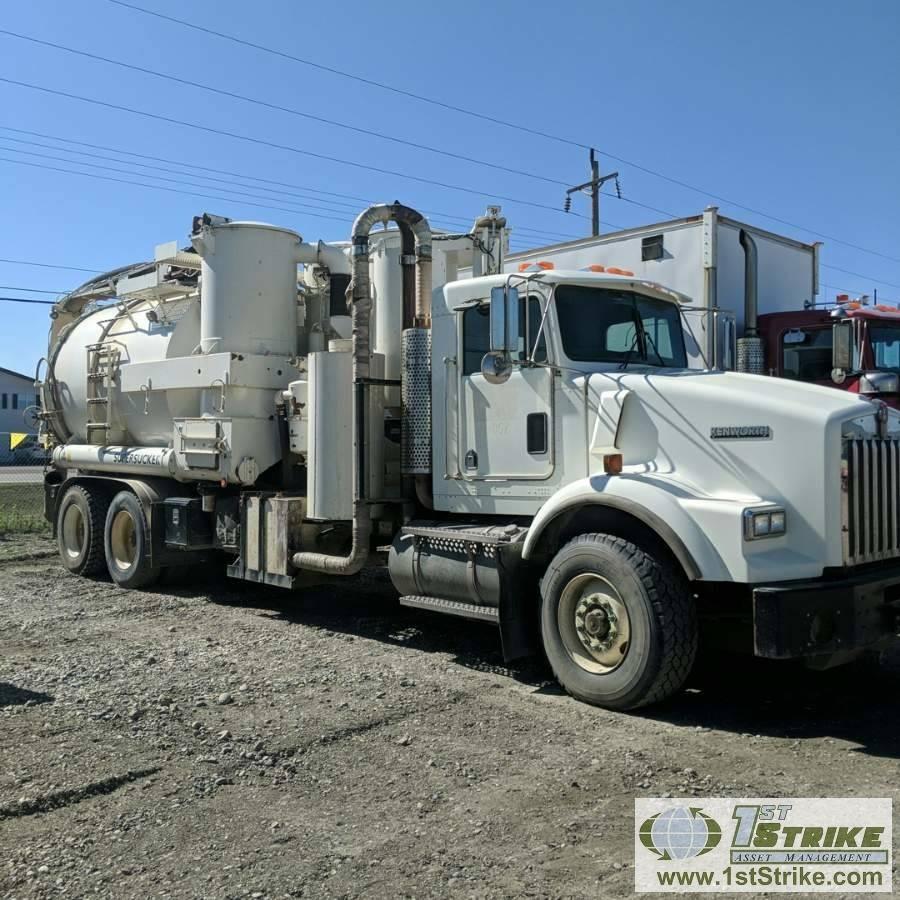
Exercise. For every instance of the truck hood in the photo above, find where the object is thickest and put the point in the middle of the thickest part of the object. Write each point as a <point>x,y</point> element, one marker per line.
<point>722,439</point>
<point>725,434</point>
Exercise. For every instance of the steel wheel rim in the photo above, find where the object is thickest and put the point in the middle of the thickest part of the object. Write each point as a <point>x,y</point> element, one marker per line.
<point>74,532</point>
<point>123,539</point>
<point>594,623</point>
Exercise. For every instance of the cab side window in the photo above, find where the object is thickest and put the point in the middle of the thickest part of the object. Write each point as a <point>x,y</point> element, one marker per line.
<point>477,336</point>
<point>806,354</point>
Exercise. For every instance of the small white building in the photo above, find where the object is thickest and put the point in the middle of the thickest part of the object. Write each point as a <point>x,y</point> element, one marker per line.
<point>17,394</point>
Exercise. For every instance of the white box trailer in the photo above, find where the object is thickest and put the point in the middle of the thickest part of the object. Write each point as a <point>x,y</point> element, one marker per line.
<point>700,256</point>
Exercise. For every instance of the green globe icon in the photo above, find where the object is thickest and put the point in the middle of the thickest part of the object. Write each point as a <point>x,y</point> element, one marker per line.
<point>680,833</point>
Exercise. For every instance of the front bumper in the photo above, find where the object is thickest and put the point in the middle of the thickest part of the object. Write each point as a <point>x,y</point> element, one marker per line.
<point>827,617</point>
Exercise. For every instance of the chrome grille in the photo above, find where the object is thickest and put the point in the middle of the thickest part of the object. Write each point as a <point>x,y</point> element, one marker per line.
<point>871,507</point>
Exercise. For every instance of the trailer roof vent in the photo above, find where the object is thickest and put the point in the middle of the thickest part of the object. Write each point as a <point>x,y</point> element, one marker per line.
<point>652,247</point>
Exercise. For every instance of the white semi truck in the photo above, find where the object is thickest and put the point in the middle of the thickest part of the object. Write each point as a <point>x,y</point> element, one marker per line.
<point>528,449</point>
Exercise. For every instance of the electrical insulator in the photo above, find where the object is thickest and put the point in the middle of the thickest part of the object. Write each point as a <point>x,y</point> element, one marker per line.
<point>567,206</point>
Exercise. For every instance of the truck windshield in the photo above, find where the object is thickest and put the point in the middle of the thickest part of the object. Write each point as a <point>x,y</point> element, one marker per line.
<point>608,325</point>
<point>885,341</point>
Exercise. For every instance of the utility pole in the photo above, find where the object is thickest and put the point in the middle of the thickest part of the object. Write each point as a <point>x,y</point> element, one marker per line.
<point>592,187</point>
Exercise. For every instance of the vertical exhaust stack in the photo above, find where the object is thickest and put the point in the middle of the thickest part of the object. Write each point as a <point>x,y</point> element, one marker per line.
<point>750,355</point>
<point>361,315</point>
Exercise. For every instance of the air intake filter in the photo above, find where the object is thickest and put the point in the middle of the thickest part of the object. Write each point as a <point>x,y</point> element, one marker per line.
<point>750,356</point>
<point>415,397</point>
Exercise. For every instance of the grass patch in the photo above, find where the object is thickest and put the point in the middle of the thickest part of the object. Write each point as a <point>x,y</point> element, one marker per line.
<point>22,508</point>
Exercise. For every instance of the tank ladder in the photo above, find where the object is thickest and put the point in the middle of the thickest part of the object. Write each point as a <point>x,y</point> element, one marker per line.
<point>102,365</point>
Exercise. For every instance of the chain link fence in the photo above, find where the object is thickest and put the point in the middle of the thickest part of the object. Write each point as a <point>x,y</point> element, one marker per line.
<point>22,464</point>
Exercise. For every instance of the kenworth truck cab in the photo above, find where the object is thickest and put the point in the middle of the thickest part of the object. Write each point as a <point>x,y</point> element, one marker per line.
<point>528,449</point>
<point>853,346</point>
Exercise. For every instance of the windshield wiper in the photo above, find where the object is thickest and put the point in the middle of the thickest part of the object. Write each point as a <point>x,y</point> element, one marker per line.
<point>653,345</point>
<point>624,364</point>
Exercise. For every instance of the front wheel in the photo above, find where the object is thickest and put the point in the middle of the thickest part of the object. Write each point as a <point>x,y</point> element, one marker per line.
<point>128,543</point>
<point>618,625</point>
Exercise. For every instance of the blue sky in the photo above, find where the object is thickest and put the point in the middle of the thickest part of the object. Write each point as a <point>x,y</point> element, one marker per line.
<point>792,109</point>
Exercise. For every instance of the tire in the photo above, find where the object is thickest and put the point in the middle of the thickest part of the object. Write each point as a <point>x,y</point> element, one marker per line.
<point>80,520</point>
<point>127,542</point>
<point>619,626</point>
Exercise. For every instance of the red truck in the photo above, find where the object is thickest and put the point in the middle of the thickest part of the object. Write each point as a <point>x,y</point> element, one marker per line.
<point>854,346</point>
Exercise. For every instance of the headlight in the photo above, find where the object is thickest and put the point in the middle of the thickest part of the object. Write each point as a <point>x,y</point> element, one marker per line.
<point>764,523</point>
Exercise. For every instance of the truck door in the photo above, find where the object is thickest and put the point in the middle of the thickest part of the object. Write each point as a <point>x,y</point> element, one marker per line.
<point>505,430</point>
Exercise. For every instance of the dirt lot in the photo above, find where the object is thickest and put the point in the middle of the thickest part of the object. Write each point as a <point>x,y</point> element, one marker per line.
<point>219,740</point>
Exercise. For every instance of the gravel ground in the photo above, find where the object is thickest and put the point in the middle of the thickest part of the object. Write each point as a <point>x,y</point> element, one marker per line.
<point>219,740</point>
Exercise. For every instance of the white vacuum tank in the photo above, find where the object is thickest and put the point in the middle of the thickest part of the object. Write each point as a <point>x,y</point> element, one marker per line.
<point>146,416</point>
<point>249,288</point>
<point>159,350</point>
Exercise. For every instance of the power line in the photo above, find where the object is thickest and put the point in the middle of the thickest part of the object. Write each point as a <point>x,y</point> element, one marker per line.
<point>160,169</point>
<point>279,108</point>
<point>358,78</point>
<point>287,148</point>
<point>493,119</point>
<point>246,176</point>
<point>530,244</point>
<point>9,287</point>
<point>43,265</point>
<point>206,196</point>
<point>237,193</point>
<point>856,291</point>
<point>65,140</point>
<point>27,300</point>
<point>321,119</point>
<point>155,187</point>
<point>859,275</point>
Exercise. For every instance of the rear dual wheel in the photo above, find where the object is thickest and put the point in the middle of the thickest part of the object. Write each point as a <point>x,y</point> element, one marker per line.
<point>80,522</point>
<point>94,532</point>
<point>127,543</point>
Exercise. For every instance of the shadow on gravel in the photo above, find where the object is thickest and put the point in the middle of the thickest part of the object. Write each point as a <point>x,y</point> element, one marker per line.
<point>856,703</point>
<point>10,695</point>
<point>371,610</point>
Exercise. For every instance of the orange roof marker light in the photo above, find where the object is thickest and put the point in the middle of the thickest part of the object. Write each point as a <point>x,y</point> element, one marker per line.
<point>595,267</point>
<point>612,270</point>
<point>536,266</point>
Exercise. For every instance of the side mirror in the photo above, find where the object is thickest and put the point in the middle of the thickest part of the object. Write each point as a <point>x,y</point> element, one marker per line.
<point>505,319</point>
<point>841,350</point>
<point>496,367</point>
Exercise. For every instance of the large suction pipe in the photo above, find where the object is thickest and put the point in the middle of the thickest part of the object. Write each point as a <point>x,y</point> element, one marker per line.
<point>332,258</point>
<point>407,266</point>
<point>360,290</point>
